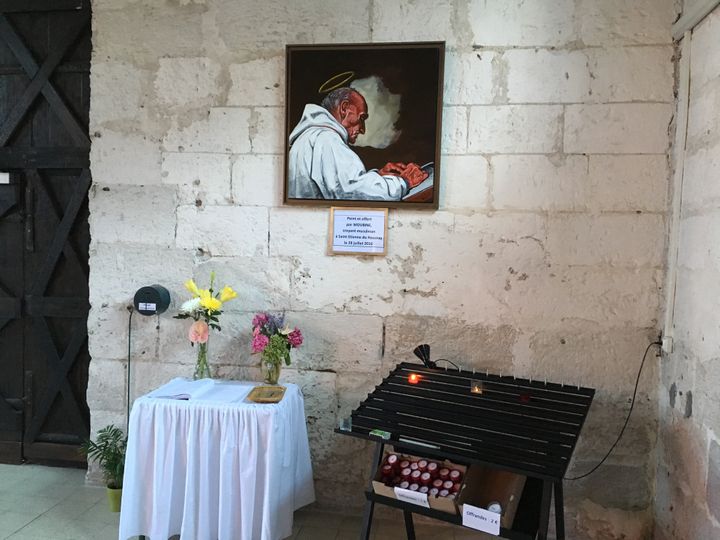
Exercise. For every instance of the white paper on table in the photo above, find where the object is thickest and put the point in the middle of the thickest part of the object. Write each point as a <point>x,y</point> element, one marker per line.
<point>481,519</point>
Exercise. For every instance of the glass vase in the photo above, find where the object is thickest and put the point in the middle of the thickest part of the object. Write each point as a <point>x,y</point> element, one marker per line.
<point>202,368</point>
<point>270,368</point>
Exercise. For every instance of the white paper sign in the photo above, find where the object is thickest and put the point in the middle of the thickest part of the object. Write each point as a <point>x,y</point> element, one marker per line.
<point>358,231</point>
<point>481,519</point>
<point>147,306</point>
<point>412,497</point>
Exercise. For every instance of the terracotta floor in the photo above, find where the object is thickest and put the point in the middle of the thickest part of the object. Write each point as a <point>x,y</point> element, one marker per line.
<point>41,503</point>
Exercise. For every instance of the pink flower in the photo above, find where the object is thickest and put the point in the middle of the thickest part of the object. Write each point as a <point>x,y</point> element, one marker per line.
<point>295,338</point>
<point>199,332</point>
<point>259,343</point>
<point>260,319</point>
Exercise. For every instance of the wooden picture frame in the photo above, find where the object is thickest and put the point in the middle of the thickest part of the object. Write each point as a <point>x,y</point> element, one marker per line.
<point>363,124</point>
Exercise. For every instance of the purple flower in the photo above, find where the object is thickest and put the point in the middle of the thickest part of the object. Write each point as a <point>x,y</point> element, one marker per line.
<point>259,343</point>
<point>260,319</point>
<point>295,338</point>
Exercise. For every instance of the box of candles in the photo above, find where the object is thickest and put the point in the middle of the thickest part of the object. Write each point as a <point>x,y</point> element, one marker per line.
<point>431,483</point>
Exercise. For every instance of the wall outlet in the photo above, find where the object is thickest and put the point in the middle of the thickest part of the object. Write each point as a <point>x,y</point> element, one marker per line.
<point>667,344</point>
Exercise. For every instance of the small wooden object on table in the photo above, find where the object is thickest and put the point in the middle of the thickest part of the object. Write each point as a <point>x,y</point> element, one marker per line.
<point>267,394</point>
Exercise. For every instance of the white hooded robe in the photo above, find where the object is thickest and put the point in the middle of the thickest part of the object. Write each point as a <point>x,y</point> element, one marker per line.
<point>321,165</point>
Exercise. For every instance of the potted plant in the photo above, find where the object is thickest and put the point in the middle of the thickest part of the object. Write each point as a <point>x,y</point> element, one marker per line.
<point>108,449</point>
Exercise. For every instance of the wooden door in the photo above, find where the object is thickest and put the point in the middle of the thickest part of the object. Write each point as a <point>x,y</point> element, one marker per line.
<point>44,101</point>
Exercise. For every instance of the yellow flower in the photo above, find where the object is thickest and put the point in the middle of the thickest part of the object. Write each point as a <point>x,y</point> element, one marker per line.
<point>208,302</point>
<point>227,294</point>
<point>190,286</point>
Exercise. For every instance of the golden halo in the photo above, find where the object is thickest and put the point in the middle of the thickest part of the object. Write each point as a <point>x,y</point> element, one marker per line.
<point>336,81</point>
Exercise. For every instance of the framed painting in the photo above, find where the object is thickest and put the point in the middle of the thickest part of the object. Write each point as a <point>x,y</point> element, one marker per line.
<point>363,124</point>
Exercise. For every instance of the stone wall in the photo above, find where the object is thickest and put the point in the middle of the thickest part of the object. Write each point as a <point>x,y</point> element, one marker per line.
<point>688,478</point>
<point>545,258</point>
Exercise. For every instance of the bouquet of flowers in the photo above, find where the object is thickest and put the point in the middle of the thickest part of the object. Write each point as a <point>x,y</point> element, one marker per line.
<point>205,308</point>
<point>273,339</point>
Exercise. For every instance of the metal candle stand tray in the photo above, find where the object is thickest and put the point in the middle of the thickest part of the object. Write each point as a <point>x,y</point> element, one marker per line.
<point>518,425</point>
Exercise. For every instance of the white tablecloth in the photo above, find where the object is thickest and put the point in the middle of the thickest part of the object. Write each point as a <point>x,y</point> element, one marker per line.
<point>215,466</point>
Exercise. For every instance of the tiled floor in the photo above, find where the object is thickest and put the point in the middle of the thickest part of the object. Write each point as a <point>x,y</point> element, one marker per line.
<point>41,503</point>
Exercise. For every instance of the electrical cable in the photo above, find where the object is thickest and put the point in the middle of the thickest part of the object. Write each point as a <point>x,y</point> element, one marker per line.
<point>127,416</point>
<point>449,362</point>
<point>627,419</point>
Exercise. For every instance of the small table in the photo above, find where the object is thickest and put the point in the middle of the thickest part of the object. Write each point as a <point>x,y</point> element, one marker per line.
<point>205,463</point>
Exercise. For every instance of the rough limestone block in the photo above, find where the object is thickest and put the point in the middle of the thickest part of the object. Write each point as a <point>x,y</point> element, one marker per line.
<point>702,126</point>
<point>706,394</point>
<point>607,358</point>
<point>695,307</point>
<point>629,183</point>
<point>262,283</point>
<point>465,273</point>
<point>556,182</point>
<point>108,332</point>
<point>258,82</point>
<point>320,396</point>
<point>517,24</point>
<point>608,296</point>
<point>454,130</point>
<point>199,177</point>
<point>625,240</point>
<point>187,82</point>
<point>243,230</point>
<point>224,130</point>
<point>585,519</point>
<point>145,31</point>
<point>106,384</point>
<point>470,346</point>
<point>275,23</point>
<point>124,158</point>
<point>705,62</point>
<point>117,271</point>
<point>299,232</point>
<point>686,439</point>
<point>353,388</point>
<point>695,252</point>
<point>423,20</point>
<point>331,284</point>
<point>258,180</point>
<point>469,77</point>
<point>632,74</point>
<point>515,129</point>
<point>626,487</point>
<point>464,182</point>
<point>268,133</point>
<point>148,375</point>
<point>228,347</point>
<point>339,343</point>
<point>618,22</point>
<point>547,76</point>
<point>121,86</point>
<point>698,193</point>
<point>138,214</point>
<point>628,128</point>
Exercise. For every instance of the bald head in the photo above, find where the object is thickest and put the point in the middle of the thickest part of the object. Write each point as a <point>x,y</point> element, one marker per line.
<point>349,108</point>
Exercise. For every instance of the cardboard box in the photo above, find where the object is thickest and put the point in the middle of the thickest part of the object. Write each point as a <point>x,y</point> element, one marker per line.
<point>484,485</point>
<point>437,503</point>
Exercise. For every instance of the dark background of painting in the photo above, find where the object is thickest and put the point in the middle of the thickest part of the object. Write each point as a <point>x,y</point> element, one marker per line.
<point>407,70</point>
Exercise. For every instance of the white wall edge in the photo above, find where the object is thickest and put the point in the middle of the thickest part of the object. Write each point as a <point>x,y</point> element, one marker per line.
<point>693,16</point>
<point>677,189</point>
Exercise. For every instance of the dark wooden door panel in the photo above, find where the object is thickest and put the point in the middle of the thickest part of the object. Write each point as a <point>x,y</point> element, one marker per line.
<point>45,50</point>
